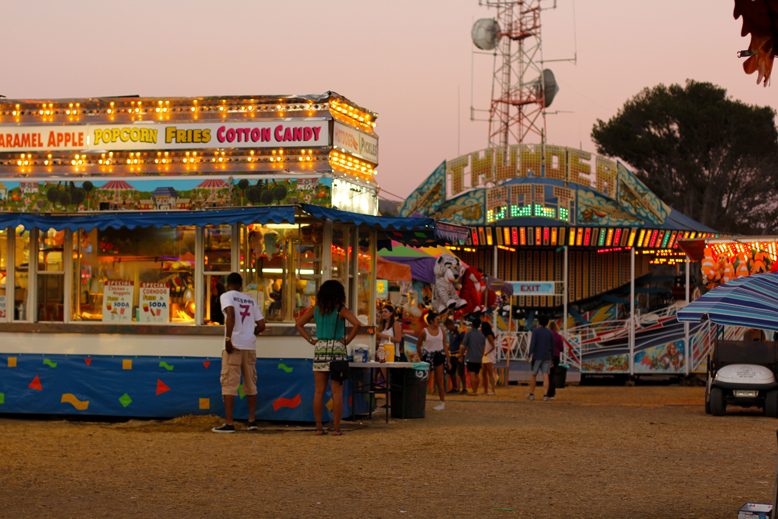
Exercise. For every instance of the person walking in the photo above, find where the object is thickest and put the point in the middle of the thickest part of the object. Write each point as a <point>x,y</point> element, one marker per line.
<point>457,370</point>
<point>559,346</point>
<point>541,352</point>
<point>490,356</point>
<point>432,347</point>
<point>244,321</point>
<point>473,351</point>
<point>330,315</point>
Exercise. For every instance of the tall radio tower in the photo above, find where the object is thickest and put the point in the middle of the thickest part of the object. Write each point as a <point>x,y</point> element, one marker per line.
<point>521,89</point>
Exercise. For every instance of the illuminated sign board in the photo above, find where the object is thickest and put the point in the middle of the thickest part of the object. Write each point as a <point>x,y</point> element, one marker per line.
<point>154,136</point>
<point>355,142</point>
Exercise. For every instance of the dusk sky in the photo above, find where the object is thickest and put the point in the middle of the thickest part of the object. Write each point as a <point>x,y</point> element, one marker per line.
<point>408,60</point>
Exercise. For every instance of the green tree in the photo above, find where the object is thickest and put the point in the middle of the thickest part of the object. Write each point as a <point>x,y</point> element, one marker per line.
<point>267,197</point>
<point>243,184</point>
<point>708,156</point>
<point>279,192</point>
<point>254,194</point>
<point>77,196</point>
<point>65,198</point>
<point>88,187</point>
<point>52,195</point>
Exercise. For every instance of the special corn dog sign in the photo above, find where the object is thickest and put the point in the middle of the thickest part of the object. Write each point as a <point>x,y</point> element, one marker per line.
<point>94,137</point>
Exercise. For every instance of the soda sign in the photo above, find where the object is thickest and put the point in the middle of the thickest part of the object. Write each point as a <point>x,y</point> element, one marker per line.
<point>117,301</point>
<point>154,303</point>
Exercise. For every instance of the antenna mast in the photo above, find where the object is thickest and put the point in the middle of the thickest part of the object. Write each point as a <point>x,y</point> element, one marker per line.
<point>518,102</point>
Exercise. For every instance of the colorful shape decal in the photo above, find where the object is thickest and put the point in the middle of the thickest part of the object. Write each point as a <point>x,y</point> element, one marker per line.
<point>11,362</point>
<point>70,398</point>
<point>329,405</point>
<point>127,364</point>
<point>206,363</point>
<point>161,387</point>
<point>283,367</point>
<point>205,403</point>
<point>125,399</point>
<point>166,366</point>
<point>50,363</point>
<point>2,398</point>
<point>36,384</point>
<point>88,362</point>
<point>287,402</point>
<point>241,394</point>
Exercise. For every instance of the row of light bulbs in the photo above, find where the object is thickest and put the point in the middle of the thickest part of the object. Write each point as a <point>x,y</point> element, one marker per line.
<point>48,110</point>
<point>351,164</point>
<point>341,161</point>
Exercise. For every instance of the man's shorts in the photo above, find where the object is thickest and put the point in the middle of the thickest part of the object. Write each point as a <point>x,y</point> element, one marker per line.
<point>233,365</point>
<point>433,358</point>
<point>473,367</point>
<point>541,366</point>
<point>454,365</point>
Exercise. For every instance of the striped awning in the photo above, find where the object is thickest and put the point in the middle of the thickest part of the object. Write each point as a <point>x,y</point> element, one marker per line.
<point>750,301</point>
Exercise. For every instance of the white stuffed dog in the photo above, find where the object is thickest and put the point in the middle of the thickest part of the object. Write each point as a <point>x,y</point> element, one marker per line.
<point>447,270</point>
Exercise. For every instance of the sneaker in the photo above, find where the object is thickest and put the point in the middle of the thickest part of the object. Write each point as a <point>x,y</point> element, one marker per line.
<point>224,429</point>
<point>441,406</point>
<point>491,393</point>
<point>551,398</point>
<point>252,426</point>
<point>545,398</point>
<point>453,392</point>
<point>530,397</point>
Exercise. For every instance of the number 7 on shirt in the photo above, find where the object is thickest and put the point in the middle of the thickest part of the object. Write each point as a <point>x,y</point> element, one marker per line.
<point>246,311</point>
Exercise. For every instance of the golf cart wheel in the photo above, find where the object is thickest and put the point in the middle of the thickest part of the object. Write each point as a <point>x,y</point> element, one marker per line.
<point>707,404</point>
<point>771,404</point>
<point>718,405</point>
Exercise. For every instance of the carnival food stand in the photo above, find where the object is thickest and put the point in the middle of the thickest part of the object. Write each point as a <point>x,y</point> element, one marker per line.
<point>122,217</point>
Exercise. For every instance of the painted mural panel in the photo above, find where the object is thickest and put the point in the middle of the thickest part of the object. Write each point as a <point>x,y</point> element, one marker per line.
<point>429,196</point>
<point>638,199</point>
<point>664,358</point>
<point>148,194</point>
<point>468,209</point>
<point>596,209</point>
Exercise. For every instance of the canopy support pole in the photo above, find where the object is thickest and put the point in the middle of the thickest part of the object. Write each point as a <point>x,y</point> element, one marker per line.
<point>632,311</point>
<point>688,357</point>
<point>564,293</point>
<point>199,268</point>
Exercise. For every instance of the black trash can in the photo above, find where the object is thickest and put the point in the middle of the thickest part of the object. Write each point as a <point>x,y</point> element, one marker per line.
<point>409,401</point>
<point>560,376</point>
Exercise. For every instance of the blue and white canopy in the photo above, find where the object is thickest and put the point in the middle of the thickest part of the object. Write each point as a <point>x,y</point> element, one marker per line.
<point>750,301</point>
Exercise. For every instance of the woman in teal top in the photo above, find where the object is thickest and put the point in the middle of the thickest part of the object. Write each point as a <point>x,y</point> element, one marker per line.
<point>329,314</point>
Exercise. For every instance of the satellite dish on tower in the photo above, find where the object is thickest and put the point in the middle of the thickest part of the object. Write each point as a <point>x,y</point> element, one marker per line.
<point>486,33</point>
<point>551,87</point>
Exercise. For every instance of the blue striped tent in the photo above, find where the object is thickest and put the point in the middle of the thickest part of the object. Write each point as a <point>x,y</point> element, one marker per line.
<point>750,301</point>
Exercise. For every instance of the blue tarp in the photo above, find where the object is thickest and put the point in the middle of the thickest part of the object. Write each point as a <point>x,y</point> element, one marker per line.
<point>159,387</point>
<point>132,219</point>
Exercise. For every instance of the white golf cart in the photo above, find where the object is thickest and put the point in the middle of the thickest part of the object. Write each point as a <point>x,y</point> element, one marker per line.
<point>742,373</point>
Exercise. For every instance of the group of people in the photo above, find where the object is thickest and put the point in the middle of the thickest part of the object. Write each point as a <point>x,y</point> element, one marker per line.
<point>244,321</point>
<point>451,351</point>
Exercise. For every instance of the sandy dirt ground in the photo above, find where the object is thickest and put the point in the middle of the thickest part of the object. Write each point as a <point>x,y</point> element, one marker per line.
<point>593,452</point>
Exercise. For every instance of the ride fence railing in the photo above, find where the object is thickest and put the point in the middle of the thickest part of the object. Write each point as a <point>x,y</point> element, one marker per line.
<point>512,346</point>
<point>703,340</point>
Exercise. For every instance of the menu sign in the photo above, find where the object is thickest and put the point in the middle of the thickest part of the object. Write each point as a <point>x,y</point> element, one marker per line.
<point>181,135</point>
<point>154,303</point>
<point>117,301</point>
